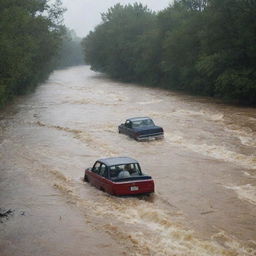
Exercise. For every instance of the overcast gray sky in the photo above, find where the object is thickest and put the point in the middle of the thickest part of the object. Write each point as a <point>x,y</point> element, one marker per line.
<point>84,15</point>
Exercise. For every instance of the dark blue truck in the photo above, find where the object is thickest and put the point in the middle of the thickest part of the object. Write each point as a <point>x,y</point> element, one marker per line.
<point>141,128</point>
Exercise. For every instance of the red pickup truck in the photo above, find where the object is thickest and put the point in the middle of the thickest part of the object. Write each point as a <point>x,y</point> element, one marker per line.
<point>119,176</point>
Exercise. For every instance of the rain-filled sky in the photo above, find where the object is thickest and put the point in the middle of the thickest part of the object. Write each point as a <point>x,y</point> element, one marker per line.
<point>84,15</point>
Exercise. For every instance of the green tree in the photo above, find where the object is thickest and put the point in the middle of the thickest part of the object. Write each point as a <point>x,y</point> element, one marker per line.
<point>111,48</point>
<point>200,46</point>
<point>228,56</point>
<point>30,34</point>
<point>181,45</point>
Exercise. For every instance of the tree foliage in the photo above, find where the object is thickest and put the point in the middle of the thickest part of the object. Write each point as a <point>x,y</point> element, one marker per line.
<point>201,46</point>
<point>115,40</point>
<point>30,34</point>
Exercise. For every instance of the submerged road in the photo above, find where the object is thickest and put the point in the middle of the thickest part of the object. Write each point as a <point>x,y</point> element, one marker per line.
<point>204,170</point>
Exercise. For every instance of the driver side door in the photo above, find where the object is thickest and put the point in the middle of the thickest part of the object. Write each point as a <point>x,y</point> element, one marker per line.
<point>128,128</point>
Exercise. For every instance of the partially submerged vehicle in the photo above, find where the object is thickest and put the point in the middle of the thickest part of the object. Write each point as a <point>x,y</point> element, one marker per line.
<point>119,176</point>
<point>141,128</point>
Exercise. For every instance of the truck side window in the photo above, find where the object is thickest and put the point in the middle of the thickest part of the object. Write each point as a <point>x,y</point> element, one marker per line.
<point>96,167</point>
<point>128,124</point>
<point>103,171</point>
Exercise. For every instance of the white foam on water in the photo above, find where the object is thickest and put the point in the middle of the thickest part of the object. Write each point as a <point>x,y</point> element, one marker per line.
<point>171,238</point>
<point>215,151</point>
<point>212,116</point>
<point>149,102</point>
<point>249,175</point>
<point>247,141</point>
<point>245,192</point>
<point>148,229</point>
<point>246,136</point>
<point>216,117</point>
<point>85,137</point>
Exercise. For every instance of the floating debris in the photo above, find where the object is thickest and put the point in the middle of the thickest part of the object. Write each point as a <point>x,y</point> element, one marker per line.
<point>5,214</point>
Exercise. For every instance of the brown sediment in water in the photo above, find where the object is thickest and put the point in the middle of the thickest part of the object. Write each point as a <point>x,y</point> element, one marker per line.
<point>204,171</point>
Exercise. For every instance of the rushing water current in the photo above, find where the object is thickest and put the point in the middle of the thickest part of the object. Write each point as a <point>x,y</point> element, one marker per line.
<point>204,171</point>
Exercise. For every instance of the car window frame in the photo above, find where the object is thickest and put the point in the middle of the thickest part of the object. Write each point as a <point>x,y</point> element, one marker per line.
<point>140,173</point>
<point>105,171</point>
<point>128,124</point>
<point>94,167</point>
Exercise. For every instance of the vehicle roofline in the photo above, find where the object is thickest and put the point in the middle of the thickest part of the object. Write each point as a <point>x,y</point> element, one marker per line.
<point>138,118</point>
<point>111,161</point>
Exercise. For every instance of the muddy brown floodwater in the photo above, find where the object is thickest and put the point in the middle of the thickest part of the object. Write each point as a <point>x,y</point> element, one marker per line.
<point>204,170</point>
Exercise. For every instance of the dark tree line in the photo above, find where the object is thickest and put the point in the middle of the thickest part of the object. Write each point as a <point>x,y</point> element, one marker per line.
<point>204,47</point>
<point>31,32</point>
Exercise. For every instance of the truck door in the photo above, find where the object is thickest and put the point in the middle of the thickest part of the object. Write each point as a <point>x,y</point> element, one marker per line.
<point>104,183</point>
<point>95,174</point>
<point>128,128</point>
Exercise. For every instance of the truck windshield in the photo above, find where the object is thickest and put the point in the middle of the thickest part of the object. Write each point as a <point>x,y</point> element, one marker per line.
<point>124,171</point>
<point>142,123</point>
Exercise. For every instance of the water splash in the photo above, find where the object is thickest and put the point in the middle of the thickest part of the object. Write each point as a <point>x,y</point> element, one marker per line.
<point>245,192</point>
<point>145,227</point>
<point>215,151</point>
